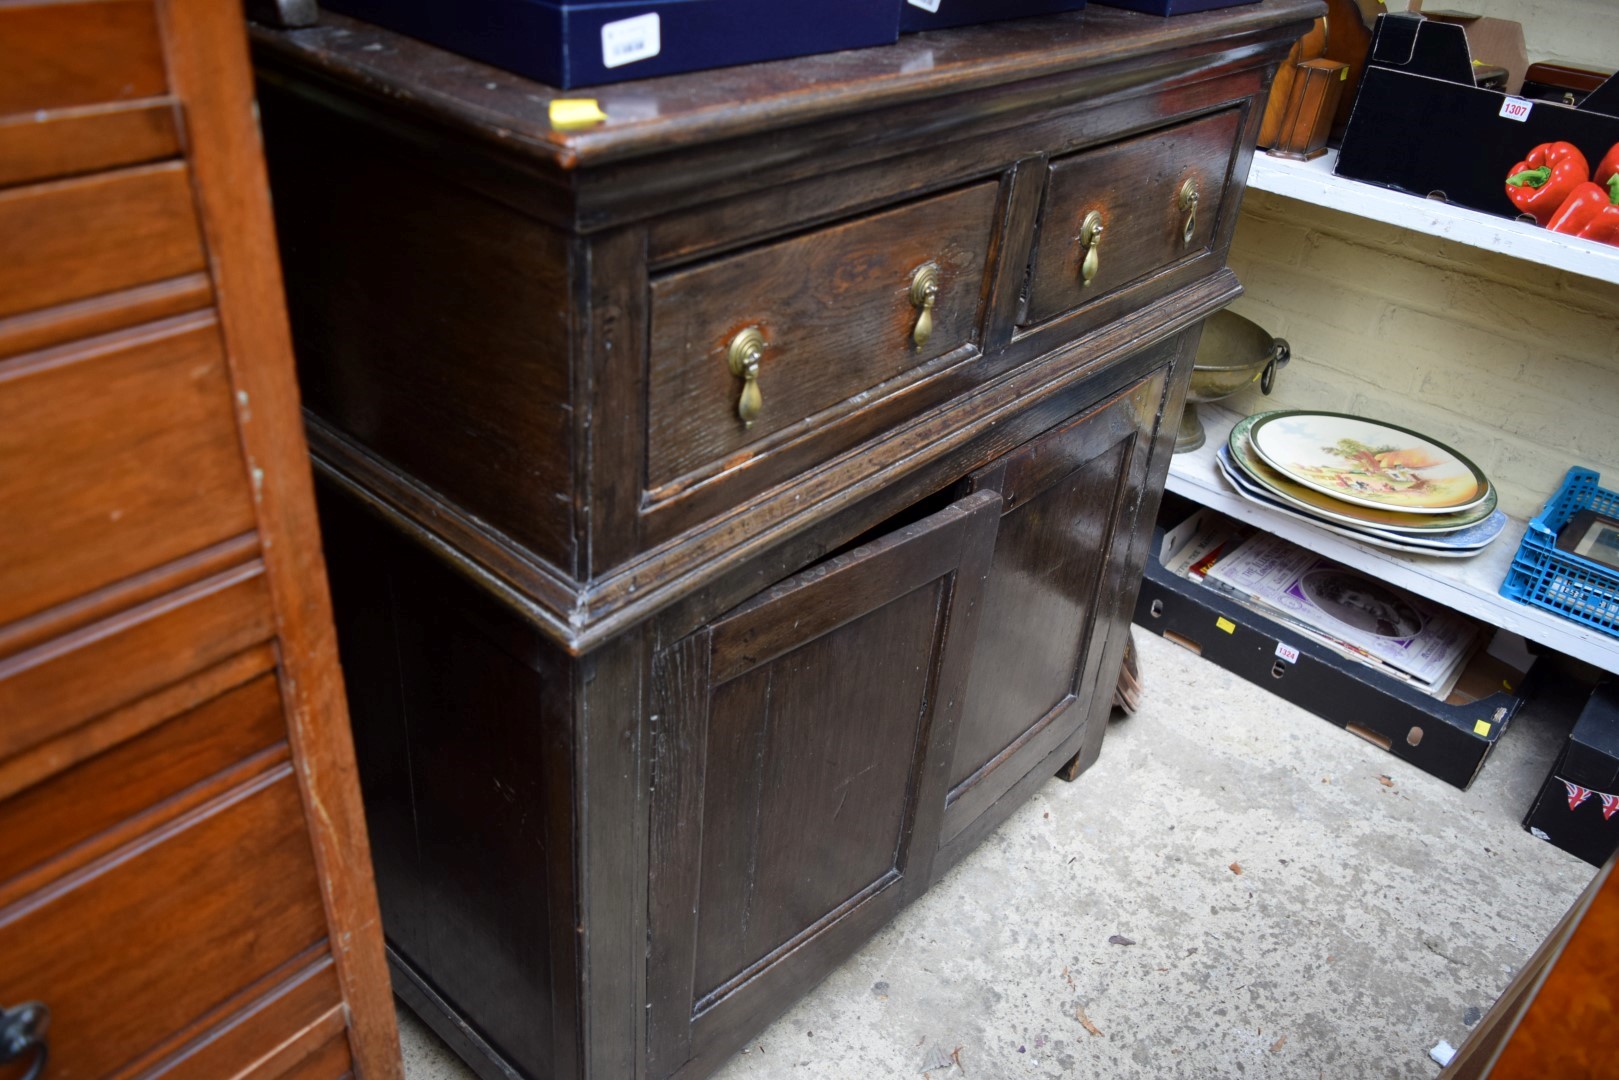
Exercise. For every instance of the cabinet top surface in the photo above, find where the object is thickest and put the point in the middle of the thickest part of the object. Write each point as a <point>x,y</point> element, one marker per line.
<point>659,114</point>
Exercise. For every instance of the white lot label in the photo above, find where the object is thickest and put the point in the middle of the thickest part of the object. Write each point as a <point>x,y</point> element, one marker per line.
<point>1516,108</point>
<point>1287,652</point>
<point>925,5</point>
<point>629,40</point>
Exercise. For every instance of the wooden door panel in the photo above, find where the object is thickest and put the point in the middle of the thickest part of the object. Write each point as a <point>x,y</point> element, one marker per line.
<point>801,811</point>
<point>802,744</point>
<point>1063,495</point>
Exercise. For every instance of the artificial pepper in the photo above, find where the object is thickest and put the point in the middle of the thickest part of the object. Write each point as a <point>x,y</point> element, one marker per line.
<point>1608,167</point>
<point>1543,180</point>
<point>1591,212</point>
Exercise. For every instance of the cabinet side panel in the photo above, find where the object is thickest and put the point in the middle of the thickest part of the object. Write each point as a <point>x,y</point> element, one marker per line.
<point>460,719</point>
<point>432,323</point>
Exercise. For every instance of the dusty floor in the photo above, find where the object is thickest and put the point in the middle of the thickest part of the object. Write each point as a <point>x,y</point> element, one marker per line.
<point>1370,919</point>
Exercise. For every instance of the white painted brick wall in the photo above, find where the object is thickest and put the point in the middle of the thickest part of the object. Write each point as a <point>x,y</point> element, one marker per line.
<point>1580,32</point>
<point>1514,365</point>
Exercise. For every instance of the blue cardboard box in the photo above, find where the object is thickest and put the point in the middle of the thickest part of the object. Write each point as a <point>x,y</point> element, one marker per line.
<point>1173,7</point>
<point>932,14</point>
<point>570,44</point>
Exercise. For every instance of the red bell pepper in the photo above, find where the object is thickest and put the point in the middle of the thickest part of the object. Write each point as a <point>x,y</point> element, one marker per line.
<point>1609,166</point>
<point>1541,182</point>
<point>1591,212</point>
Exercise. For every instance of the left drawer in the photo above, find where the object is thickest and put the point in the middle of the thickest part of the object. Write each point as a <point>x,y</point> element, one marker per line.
<point>834,315</point>
<point>145,944</point>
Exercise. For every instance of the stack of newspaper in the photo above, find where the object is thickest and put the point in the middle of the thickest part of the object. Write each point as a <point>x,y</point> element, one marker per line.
<point>1355,615</point>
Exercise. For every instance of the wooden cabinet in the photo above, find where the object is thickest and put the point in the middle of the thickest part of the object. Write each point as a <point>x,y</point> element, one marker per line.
<point>184,880</point>
<point>706,585</point>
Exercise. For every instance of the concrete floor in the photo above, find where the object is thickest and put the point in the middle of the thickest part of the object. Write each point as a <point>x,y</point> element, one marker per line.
<point>1370,919</point>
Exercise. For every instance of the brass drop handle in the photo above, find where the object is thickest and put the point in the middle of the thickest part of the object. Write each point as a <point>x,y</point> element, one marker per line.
<point>1188,205</point>
<point>1090,238</point>
<point>744,354</point>
<point>22,1034</point>
<point>924,292</point>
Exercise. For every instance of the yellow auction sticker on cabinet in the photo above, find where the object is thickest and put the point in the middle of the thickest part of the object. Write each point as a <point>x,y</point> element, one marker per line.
<point>1226,624</point>
<point>1481,727</point>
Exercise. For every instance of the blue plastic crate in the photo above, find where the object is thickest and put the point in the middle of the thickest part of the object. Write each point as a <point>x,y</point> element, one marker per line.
<point>1544,577</point>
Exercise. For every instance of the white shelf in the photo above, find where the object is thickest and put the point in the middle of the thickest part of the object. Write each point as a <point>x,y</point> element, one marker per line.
<point>1466,585</point>
<point>1313,182</point>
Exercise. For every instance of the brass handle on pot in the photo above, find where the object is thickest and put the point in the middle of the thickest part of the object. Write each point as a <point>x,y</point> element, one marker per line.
<point>1280,352</point>
<point>1090,238</point>
<point>924,292</point>
<point>1188,205</point>
<point>743,356</point>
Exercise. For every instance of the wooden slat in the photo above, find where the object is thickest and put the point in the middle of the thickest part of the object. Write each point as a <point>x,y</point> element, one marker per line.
<point>230,1039</point>
<point>208,62</point>
<point>66,142</point>
<point>71,239</point>
<point>105,801</point>
<point>65,618</point>
<point>265,1039</point>
<point>108,730</point>
<point>145,468</point>
<point>158,933</point>
<point>104,314</point>
<point>48,690</point>
<point>54,55</point>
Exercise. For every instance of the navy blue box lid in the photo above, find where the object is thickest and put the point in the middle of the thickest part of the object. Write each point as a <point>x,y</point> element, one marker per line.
<point>570,44</point>
<point>935,14</point>
<point>1173,7</point>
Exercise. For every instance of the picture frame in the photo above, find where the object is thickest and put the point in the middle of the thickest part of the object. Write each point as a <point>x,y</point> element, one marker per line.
<point>1593,536</point>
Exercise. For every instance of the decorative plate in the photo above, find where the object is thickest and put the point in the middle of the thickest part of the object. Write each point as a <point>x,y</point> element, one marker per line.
<point>1457,545</point>
<point>1368,463</point>
<point>1319,504</point>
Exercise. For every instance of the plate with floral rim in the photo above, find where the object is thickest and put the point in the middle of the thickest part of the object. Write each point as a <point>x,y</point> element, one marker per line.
<point>1294,494</point>
<point>1368,463</point>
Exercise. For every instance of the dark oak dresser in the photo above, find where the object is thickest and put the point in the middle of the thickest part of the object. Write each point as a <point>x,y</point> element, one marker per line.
<point>734,510</point>
<point>185,887</point>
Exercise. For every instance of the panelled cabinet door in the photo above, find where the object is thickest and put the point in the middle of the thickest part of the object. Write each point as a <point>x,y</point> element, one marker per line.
<point>802,747</point>
<point>1065,498</point>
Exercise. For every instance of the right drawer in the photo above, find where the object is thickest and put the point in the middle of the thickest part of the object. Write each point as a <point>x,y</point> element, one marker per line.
<point>1120,213</point>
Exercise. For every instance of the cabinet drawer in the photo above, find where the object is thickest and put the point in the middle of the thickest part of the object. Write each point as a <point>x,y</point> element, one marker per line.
<point>145,942</point>
<point>1134,189</point>
<point>115,457</point>
<point>835,314</point>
